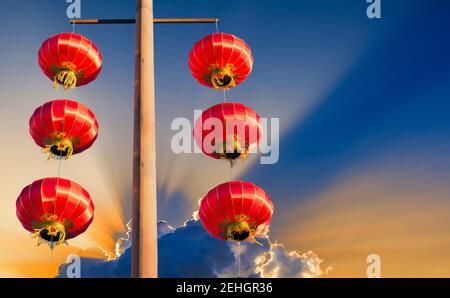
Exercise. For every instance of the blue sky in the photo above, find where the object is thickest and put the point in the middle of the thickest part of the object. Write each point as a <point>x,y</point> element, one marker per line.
<point>355,97</point>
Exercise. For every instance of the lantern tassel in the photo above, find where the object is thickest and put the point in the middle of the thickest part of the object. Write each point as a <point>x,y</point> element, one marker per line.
<point>51,232</point>
<point>222,77</point>
<point>65,77</point>
<point>59,148</point>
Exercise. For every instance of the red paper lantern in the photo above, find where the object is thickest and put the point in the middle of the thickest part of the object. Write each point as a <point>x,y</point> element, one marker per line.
<point>236,211</point>
<point>220,61</point>
<point>228,131</point>
<point>63,127</point>
<point>54,210</point>
<point>69,59</point>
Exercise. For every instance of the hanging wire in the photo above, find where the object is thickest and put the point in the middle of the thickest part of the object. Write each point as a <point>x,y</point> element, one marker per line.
<point>231,172</point>
<point>59,167</point>
<point>239,258</point>
<point>73,26</point>
<point>65,97</point>
<point>217,31</point>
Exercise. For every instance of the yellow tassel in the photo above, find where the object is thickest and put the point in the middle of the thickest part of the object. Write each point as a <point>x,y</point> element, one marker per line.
<point>65,77</point>
<point>62,144</point>
<point>222,78</point>
<point>52,230</point>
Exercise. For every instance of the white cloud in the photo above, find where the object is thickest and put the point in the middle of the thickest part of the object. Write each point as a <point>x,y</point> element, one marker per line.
<point>189,251</point>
